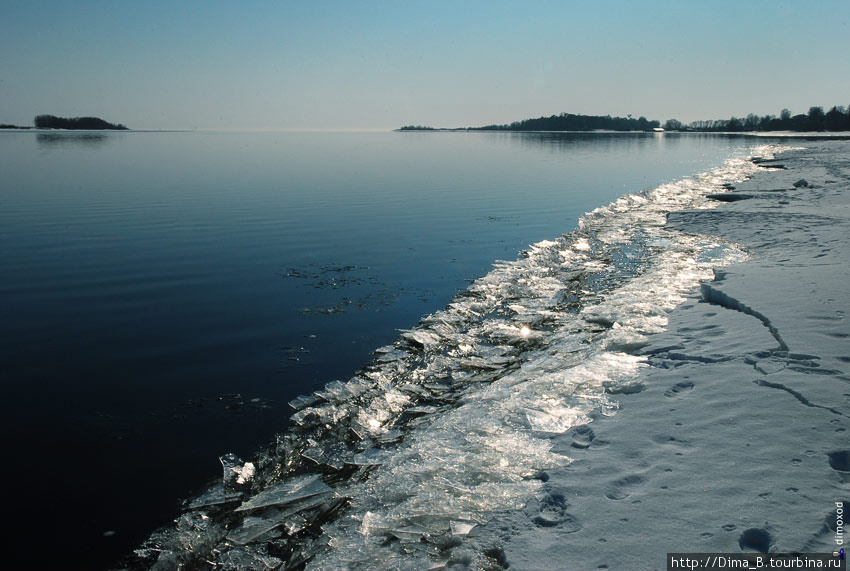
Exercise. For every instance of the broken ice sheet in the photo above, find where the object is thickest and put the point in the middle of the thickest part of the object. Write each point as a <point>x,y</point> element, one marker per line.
<point>371,457</point>
<point>335,455</point>
<point>410,533</point>
<point>287,492</point>
<point>508,363</point>
<point>390,353</point>
<point>251,529</point>
<point>215,496</point>
<point>303,401</point>
<point>428,340</point>
<point>240,560</point>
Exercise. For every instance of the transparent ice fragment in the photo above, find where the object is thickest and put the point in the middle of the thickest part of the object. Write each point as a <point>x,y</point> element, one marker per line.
<point>251,529</point>
<point>390,436</point>
<point>334,391</point>
<point>428,340</point>
<point>303,401</point>
<point>287,492</point>
<point>410,533</point>
<point>414,390</point>
<point>371,457</point>
<point>295,524</point>
<point>475,362</point>
<point>215,496</point>
<point>334,456</point>
<point>461,527</point>
<point>556,420</point>
<point>193,533</point>
<point>419,410</point>
<point>390,353</point>
<point>240,560</point>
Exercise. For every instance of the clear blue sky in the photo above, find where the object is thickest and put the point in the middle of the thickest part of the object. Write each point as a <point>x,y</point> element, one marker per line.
<point>350,65</point>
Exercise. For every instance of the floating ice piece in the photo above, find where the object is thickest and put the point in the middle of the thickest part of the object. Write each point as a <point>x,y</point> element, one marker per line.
<point>390,353</point>
<point>287,492</point>
<point>303,401</point>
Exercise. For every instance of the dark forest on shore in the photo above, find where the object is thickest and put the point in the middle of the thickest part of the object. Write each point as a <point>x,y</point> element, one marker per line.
<point>836,119</point>
<point>53,122</point>
<point>71,123</point>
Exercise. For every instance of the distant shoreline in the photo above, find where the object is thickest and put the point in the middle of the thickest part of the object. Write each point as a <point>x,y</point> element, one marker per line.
<point>52,122</point>
<point>837,119</point>
<point>808,135</point>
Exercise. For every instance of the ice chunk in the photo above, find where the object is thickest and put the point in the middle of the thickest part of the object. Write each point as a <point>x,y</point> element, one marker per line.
<point>235,472</point>
<point>215,496</point>
<point>287,492</point>
<point>390,353</point>
<point>555,421</point>
<point>428,340</point>
<point>410,533</point>
<point>240,559</point>
<point>461,527</point>
<point>251,529</point>
<point>334,456</point>
<point>334,391</point>
<point>371,457</point>
<point>303,401</point>
<point>420,410</point>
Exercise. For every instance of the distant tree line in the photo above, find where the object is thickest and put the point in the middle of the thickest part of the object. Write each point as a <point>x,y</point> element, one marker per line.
<point>417,128</point>
<point>836,119</point>
<point>571,122</point>
<point>94,123</point>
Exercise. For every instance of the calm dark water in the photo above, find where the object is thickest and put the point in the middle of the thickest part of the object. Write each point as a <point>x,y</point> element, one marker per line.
<point>164,295</point>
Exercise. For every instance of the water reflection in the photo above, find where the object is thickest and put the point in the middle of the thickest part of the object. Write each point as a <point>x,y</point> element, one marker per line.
<point>565,140</point>
<point>85,140</point>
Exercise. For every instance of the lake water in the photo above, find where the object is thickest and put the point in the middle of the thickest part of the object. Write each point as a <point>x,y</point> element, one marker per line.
<point>164,295</point>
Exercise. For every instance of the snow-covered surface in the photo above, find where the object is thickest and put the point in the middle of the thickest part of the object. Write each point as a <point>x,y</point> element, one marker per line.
<point>632,388</point>
<point>744,406</point>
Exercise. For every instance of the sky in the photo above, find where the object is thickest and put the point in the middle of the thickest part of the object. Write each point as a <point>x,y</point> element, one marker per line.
<point>353,65</point>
